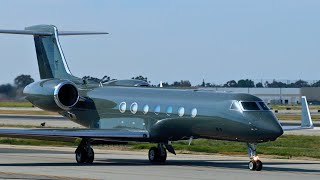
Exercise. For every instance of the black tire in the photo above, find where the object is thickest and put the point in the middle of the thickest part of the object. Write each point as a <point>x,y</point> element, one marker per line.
<point>153,154</point>
<point>90,156</point>
<point>252,165</point>
<point>80,157</point>
<point>162,157</point>
<point>258,165</point>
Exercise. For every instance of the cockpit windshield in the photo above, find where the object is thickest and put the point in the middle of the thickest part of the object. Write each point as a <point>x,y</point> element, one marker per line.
<point>264,106</point>
<point>249,106</point>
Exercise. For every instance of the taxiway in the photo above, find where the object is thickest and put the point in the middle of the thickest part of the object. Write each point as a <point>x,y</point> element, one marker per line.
<point>27,162</point>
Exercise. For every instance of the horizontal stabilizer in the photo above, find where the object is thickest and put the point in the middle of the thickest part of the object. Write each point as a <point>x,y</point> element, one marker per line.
<point>43,33</point>
<point>71,33</point>
<point>25,32</point>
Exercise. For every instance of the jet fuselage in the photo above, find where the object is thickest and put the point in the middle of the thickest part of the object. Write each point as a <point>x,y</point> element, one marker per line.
<point>174,114</point>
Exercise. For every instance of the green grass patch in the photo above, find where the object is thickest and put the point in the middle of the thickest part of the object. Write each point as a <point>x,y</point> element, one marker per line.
<point>19,126</point>
<point>29,126</point>
<point>15,104</point>
<point>287,146</point>
<point>293,146</point>
<point>34,142</point>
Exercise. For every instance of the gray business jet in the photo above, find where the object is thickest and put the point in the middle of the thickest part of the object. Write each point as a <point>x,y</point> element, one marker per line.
<point>130,110</point>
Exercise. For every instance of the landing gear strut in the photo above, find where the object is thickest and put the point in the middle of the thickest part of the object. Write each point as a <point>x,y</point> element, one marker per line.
<point>157,154</point>
<point>255,164</point>
<point>84,152</point>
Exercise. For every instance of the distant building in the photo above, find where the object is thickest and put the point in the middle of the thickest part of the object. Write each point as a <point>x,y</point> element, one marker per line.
<point>312,94</point>
<point>272,95</point>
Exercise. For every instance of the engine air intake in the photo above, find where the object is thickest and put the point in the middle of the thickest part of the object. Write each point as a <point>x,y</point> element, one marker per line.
<point>66,95</point>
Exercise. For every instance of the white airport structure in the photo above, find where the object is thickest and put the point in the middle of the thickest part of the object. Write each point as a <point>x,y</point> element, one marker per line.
<point>276,95</point>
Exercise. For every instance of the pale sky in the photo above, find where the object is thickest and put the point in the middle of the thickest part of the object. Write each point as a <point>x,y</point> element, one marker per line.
<point>170,39</point>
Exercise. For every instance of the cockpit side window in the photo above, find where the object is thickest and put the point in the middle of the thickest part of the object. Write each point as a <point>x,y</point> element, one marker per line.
<point>251,106</point>
<point>264,106</point>
<point>235,106</point>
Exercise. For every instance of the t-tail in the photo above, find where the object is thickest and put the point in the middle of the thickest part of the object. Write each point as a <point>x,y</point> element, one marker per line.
<point>51,61</point>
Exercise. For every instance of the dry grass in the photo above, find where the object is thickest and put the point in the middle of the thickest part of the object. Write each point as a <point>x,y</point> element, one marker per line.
<point>26,112</point>
<point>293,107</point>
<point>15,104</point>
<point>285,117</point>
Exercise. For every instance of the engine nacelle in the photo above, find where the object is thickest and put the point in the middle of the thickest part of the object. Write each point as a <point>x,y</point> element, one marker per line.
<point>52,94</point>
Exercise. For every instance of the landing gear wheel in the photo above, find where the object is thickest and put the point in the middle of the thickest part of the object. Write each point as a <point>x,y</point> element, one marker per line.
<point>84,152</point>
<point>90,156</point>
<point>85,156</point>
<point>259,165</point>
<point>80,156</point>
<point>255,165</point>
<point>162,155</point>
<point>153,154</point>
<point>252,165</point>
<point>157,154</point>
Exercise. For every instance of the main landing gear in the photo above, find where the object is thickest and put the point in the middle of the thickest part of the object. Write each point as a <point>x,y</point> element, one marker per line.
<point>255,164</point>
<point>159,153</point>
<point>84,152</point>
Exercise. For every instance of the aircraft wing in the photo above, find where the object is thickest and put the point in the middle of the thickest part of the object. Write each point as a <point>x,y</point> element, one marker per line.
<point>68,134</point>
<point>306,120</point>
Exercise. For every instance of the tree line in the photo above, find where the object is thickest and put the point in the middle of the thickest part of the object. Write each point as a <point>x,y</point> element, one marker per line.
<point>15,90</point>
<point>9,91</point>
<point>274,84</point>
<point>244,83</point>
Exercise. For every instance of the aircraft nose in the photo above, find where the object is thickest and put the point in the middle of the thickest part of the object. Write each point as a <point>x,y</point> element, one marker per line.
<point>269,126</point>
<point>273,128</point>
<point>276,128</point>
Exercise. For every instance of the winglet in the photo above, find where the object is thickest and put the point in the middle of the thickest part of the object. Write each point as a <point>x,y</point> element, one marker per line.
<point>306,121</point>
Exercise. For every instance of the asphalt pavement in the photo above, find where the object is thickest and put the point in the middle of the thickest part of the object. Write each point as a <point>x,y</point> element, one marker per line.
<point>26,162</point>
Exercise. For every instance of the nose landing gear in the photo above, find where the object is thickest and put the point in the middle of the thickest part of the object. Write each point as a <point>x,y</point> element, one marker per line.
<point>255,164</point>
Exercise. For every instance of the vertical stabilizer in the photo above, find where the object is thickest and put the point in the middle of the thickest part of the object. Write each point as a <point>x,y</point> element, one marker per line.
<point>306,121</point>
<point>51,61</point>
